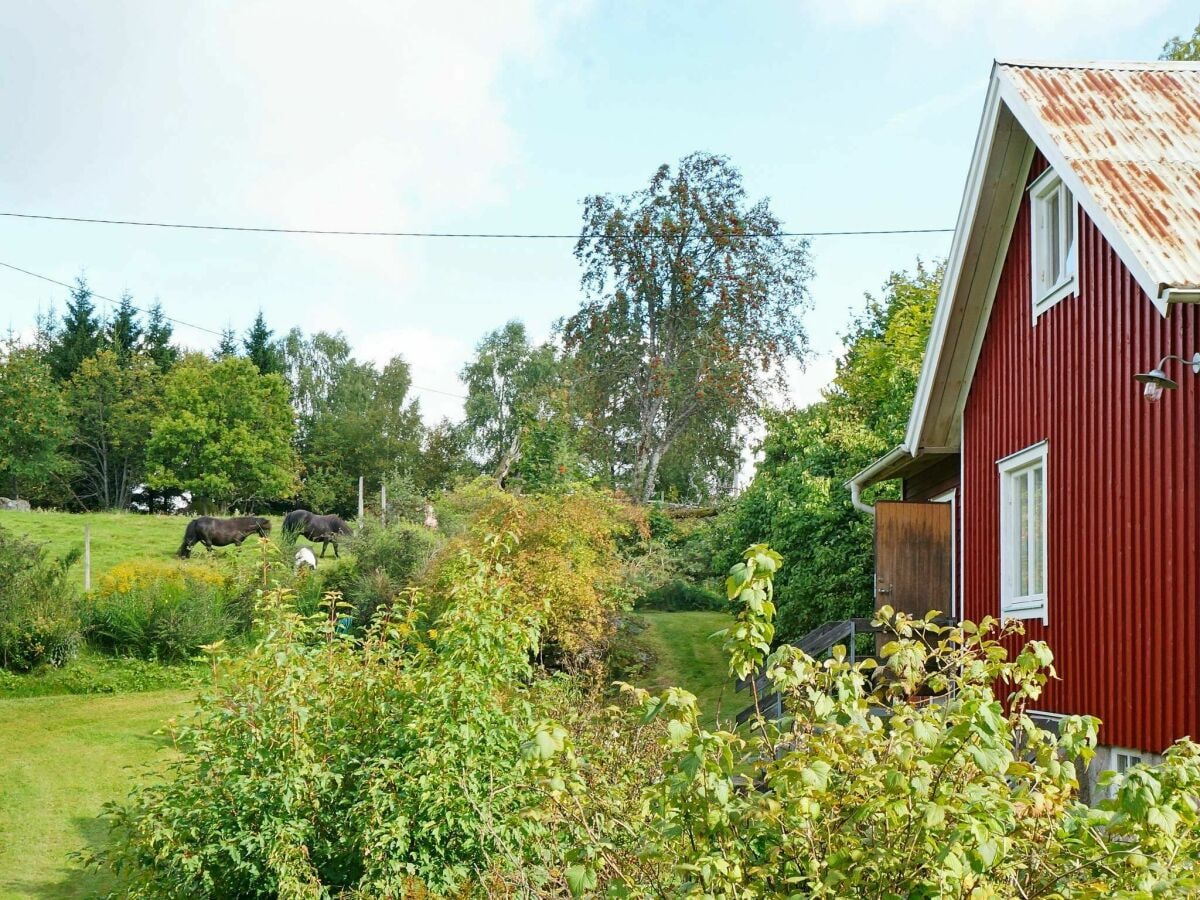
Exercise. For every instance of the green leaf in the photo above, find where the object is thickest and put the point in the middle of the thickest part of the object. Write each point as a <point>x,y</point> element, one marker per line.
<point>580,879</point>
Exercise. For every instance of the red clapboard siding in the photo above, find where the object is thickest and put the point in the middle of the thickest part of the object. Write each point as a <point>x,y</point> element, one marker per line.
<point>1124,525</point>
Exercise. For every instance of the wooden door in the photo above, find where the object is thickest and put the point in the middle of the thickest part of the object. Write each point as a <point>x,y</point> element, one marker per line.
<point>913,556</point>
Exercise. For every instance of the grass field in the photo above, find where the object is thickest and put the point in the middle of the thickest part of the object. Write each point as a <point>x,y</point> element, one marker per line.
<point>116,537</point>
<point>685,657</point>
<point>63,758</point>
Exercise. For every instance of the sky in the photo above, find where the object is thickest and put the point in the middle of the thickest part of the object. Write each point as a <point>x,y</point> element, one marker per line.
<point>485,117</point>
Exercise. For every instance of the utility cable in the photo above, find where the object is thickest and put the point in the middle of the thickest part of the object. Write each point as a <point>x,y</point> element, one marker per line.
<point>526,236</point>
<point>180,322</point>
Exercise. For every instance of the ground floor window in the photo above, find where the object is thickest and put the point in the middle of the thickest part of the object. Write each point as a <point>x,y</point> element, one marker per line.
<point>1023,501</point>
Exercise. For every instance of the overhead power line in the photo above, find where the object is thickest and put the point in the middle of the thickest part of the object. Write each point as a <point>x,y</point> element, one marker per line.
<point>181,322</point>
<point>479,235</point>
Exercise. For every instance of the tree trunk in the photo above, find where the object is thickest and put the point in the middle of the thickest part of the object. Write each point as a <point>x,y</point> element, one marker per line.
<point>511,455</point>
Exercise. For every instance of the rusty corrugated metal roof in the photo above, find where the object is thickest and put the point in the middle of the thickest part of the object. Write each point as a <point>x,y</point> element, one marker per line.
<point>1131,134</point>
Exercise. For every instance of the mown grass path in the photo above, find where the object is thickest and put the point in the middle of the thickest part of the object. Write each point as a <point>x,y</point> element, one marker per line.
<point>61,759</point>
<point>685,657</point>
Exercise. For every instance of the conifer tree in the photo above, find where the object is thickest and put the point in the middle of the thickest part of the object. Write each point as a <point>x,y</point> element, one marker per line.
<point>261,349</point>
<point>79,336</point>
<point>158,339</point>
<point>227,347</point>
<point>123,334</point>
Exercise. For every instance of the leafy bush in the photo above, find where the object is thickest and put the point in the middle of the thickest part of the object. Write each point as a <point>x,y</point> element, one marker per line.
<point>387,561</point>
<point>160,610</point>
<point>322,764</point>
<point>38,620</point>
<point>677,595</point>
<point>956,797</point>
<point>436,760</point>
<point>567,566</point>
<point>97,673</point>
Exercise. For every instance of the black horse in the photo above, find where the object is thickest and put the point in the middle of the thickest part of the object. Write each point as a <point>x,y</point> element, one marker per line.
<point>323,530</point>
<point>221,532</point>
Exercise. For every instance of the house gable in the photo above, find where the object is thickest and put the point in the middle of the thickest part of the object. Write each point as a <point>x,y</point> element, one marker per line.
<point>1022,114</point>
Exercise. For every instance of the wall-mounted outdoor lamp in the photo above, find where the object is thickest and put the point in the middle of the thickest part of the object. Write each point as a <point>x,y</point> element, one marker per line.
<point>1156,380</point>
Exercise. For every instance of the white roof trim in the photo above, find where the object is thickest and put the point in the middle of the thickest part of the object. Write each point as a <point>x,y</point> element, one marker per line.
<point>966,213</point>
<point>1001,90</point>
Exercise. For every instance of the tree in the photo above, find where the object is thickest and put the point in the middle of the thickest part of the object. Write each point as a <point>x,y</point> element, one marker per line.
<point>157,342</point>
<point>123,332</point>
<point>313,367</point>
<point>797,501</point>
<point>227,347</point>
<point>1181,48</point>
<point>443,459</point>
<point>693,307</point>
<point>113,404</point>
<point>507,384</point>
<point>78,336</point>
<point>34,428</point>
<point>260,349</point>
<point>366,427</point>
<point>224,434</point>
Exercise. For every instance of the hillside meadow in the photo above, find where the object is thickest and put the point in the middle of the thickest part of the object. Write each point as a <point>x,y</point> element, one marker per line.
<point>116,537</point>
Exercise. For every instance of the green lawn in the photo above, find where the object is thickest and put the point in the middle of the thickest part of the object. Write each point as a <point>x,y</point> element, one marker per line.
<point>685,657</point>
<point>62,758</point>
<point>116,537</point>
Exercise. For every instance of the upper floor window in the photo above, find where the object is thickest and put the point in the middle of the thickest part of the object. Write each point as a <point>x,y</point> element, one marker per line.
<point>1023,534</point>
<point>1053,217</point>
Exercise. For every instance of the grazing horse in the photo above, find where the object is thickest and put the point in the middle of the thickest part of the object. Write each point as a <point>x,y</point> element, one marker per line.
<point>221,532</point>
<point>323,530</point>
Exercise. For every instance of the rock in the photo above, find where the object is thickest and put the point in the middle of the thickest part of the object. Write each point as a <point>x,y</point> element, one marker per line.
<point>17,505</point>
<point>430,517</point>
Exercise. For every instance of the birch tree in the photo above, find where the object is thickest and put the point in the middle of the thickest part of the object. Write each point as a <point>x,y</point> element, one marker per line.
<point>693,302</point>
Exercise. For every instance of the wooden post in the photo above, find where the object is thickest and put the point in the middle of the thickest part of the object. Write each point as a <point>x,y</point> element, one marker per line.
<point>87,557</point>
<point>360,501</point>
<point>383,505</point>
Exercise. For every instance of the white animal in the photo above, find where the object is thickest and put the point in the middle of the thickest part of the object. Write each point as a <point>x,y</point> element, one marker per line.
<point>305,558</point>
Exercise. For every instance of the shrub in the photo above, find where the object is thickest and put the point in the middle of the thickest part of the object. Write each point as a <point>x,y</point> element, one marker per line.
<point>567,566</point>
<point>38,620</point>
<point>961,796</point>
<point>678,595</point>
<point>161,610</point>
<point>386,561</point>
<point>324,766</point>
<point>436,761</point>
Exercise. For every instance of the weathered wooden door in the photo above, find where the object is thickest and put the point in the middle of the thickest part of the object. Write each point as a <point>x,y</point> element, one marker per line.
<point>913,556</point>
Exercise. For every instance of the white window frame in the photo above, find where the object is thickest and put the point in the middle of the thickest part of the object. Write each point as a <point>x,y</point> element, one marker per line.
<point>1012,604</point>
<point>1049,189</point>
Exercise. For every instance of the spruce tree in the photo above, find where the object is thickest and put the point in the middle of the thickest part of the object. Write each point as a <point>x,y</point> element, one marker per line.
<point>260,349</point>
<point>158,339</point>
<point>79,334</point>
<point>228,346</point>
<point>123,335</point>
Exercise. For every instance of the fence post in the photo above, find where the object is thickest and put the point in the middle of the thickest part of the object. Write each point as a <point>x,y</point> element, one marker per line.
<point>360,501</point>
<point>87,557</point>
<point>383,505</point>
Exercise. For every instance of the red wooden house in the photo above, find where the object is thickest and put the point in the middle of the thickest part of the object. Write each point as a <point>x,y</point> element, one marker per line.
<point>1040,479</point>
